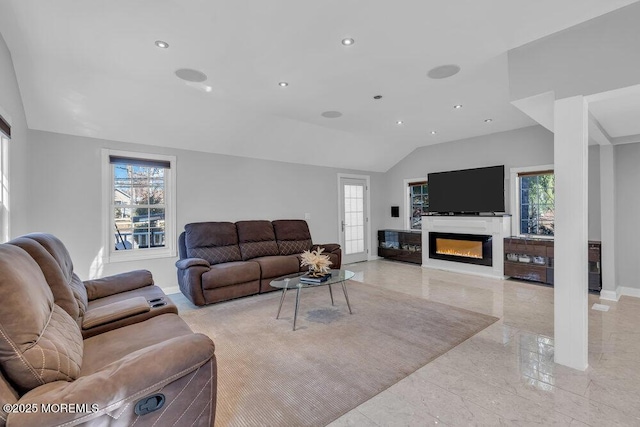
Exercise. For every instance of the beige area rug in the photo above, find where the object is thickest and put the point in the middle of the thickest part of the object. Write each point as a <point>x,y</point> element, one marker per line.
<point>269,375</point>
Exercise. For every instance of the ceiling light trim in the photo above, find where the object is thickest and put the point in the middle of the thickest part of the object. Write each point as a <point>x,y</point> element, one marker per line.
<point>331,114</point>
<point>191,75</point>
<point>443,71</point>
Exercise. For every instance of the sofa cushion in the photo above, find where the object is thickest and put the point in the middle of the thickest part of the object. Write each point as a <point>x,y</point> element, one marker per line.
<point>230,273</point>
<point>293,247</point>
<point>292,236</point>
<point>216,242</point>
<point>57,280</point>
<point>39,341</point>
<point>276,266</point>
<point>60,253</point>
<point>256,239</point>
<point>111,346</point>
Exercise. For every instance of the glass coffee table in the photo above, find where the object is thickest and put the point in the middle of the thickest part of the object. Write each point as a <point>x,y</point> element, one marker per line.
<point>292,281</point>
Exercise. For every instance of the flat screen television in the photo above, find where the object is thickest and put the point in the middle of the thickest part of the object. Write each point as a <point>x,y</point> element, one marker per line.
<point>468,191</point>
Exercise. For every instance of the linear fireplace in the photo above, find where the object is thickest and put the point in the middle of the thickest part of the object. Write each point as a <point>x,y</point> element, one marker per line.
<point>466,248</point>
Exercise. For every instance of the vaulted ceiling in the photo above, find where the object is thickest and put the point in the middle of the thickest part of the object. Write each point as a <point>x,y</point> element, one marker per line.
<point>91,68</point>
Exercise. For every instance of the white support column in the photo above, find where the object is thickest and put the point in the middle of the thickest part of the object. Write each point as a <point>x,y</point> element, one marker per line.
<point>571,232</point>
<point>607,223</point>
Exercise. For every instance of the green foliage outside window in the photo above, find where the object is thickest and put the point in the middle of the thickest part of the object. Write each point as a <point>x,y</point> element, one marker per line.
<point>537,204</point>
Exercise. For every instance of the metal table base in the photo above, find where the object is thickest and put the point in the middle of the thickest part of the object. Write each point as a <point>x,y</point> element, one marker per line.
<point>295,314</point>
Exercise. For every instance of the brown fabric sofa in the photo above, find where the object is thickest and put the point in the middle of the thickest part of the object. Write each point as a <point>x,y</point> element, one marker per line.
<point>51,376</point>
<point>97,305</point>
<point>224,260</point>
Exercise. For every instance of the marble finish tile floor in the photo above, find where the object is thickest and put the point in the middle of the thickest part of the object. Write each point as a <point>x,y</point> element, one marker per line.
<point>505,375</point>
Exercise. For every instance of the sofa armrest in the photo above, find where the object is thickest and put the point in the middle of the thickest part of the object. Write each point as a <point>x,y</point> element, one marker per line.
<point>334,252</point>
<point>328,247</point>
<point>115,311</point>
<point>118,283</point>
<point>190,271</point>
<point>119,384</point>
<point>183,264</point>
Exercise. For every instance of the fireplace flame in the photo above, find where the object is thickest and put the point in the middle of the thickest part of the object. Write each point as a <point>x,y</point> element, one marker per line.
<point>457,252</point>
<point>459,248</point>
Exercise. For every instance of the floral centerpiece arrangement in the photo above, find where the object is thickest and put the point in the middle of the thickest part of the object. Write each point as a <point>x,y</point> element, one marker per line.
<point>318,264</point>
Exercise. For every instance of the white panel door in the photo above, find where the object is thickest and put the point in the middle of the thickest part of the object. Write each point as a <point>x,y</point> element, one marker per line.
<point>353,219</point>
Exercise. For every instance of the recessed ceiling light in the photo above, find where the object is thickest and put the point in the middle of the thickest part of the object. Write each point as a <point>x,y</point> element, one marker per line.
<point>488,120</point>
<point>283,84</point>
<point>191,75</point>
<point>433,132</point>
<point>331,114</point>
<point>162,44</point>
<point>457,107</point>
<point>348,42</point>
<point>399,122</point>
<point>443,71</point>
<point>377,97</point>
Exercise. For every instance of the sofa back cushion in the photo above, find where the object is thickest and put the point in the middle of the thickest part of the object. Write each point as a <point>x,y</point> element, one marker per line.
<point>39,341</point>
<point>216,242</point>
<point>55,277</point>
<point>59,252</point>
<point>292,236</point>
<point>256,239</point>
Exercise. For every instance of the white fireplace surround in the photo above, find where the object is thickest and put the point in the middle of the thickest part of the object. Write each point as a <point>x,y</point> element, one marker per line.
<point>498,227</point>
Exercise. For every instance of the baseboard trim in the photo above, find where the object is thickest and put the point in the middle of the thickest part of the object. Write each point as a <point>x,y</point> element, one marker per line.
<point>609,295</point>
<point>171,290</point>
<point>620,291</point>
<point>630,292</point>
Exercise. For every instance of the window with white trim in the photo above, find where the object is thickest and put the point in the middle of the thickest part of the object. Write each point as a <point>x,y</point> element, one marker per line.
<point>5,135</point>
<point>534,213</point>
<point>140,205</point>
<point>418,203</point>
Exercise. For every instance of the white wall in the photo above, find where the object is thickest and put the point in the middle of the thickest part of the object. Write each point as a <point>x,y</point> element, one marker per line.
<point>627,214</point>
<point>65,195</point>
<point>531,146</point>
<point>11,105</point>
<point>594,193</point>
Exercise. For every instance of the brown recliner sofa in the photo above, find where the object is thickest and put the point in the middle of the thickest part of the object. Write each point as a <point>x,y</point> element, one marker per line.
<point>152,372</point>
<point>97,305</point>
<point>224,260</point>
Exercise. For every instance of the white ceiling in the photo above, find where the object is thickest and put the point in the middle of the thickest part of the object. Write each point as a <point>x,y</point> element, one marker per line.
<point>619,114</point>
<point>91,68</point>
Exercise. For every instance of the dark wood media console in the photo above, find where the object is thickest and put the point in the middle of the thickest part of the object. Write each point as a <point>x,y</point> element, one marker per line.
<point>533,259</point>
<point>400,245</point>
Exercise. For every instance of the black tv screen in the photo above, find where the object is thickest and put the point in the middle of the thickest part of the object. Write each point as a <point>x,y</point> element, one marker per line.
<point>467,191</point>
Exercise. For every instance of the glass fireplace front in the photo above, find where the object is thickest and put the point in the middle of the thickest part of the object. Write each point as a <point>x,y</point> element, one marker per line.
<point>467,248</point>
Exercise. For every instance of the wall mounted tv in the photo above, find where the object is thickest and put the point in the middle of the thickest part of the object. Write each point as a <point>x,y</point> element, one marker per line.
<point>468,191</point>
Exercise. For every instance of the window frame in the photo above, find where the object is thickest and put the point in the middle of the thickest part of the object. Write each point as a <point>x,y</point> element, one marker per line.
<point>4,187</point>
<point>515,198</point>
<point>408,202</point>
<point>110,254</point>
